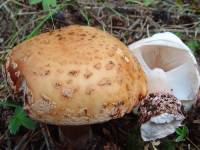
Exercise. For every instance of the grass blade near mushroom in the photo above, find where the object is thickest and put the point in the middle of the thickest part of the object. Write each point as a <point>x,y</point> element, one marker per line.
<point>52,8</point>
<point>47,14</point>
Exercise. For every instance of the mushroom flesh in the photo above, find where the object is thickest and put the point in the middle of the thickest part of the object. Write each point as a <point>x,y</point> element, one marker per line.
<point>171,71</point>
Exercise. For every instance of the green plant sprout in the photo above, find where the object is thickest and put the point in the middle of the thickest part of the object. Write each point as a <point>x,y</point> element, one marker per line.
<point>18,119</point>
<point>46,4</point>
<point>182,133</point>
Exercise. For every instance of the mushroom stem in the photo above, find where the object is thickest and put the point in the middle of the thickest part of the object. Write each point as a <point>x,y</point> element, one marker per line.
<point>75,136</point>
<point>157,81</point>
<point>160,112</point>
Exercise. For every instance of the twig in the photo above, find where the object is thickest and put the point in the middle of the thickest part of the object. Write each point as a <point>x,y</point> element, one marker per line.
<point>154,30</point>
<point>4,3</point>
<point>22,141</point>
<point>20,4</point>
<point>33,134</point>
<point>42,146</point>
<point>49,136</point>
<point>193,143</point>
<point>29,13</point>
<point>197,121</point>
<point>6,51</point>
<point>12,16</point>
<point>45,136</point>
<point>134,8</point>
<point>8,140</point>
<point>1,138</point>
<point>98,20</point>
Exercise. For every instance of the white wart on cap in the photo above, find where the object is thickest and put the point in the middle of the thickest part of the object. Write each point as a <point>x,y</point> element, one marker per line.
<point>75,75</point>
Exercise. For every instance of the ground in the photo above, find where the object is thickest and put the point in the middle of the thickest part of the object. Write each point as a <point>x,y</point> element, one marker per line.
<point>128,20</point>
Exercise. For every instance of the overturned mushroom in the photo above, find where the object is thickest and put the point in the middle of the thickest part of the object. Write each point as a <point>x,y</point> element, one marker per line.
<point>75,76</point>
<point>172,78</point>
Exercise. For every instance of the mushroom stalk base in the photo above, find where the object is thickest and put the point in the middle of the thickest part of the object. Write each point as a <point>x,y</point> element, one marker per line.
<point>76,136</point>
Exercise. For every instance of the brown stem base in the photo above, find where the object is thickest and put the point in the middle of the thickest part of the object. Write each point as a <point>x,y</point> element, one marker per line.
<point>75,136</point>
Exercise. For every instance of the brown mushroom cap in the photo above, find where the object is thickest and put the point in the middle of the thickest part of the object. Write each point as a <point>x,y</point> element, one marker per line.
<point>75,75</point>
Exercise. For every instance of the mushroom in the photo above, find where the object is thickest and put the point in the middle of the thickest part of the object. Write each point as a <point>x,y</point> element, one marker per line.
<point>77,75</point>
<point>172,78</point>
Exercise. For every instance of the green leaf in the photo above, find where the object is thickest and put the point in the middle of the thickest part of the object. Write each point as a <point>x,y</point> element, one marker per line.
<point>40,24</point>
<point>14,125</point>
<point>179,34</point>
<point>20,119</point>
<point>179,131</point>
<point>48,4</point>
<point>194,45</point>
<point>179,138</point>
<point>179,2</point>
<point>148,2</point>
<point>28,123</point>
<point>182,133</point>
<point>185,131</point>
<point>33,2</point>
